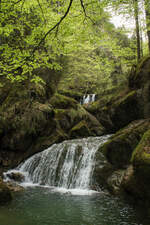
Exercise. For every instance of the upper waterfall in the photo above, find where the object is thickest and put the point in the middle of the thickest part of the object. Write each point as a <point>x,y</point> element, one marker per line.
<point>88,98</point>
<point>69,164</point>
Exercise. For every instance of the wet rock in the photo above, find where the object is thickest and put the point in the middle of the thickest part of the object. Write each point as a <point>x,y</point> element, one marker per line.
<point>16,176</point>
<point>114,181</point>
<point>14,187</point>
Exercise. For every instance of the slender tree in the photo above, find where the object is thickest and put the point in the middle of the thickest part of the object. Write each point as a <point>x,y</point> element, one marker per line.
<point>147,13</point>
<point>136,16</point>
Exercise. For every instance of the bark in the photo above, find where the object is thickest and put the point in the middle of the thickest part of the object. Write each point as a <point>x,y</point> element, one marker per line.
<point>147,13</point>
<point>56,26</point>
<point>136,16</point>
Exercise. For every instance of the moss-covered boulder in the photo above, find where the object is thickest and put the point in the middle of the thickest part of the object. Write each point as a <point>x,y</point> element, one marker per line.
<point>72,94</point>
<point>139,79</point>
<point>71,120</point>
<point>140,73</point>
<point>119,148</point>
<point>125,110</point>
<point>80,130</point>
<point>141,165</point>
<point>118,112</point>
<point>63,102</point>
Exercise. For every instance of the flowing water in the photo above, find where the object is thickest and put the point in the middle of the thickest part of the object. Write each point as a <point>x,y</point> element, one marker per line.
<point>89,98</point>
<point>58,191</point>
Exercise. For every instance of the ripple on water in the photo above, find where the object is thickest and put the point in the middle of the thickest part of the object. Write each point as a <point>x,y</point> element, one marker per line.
<point>43,206</point>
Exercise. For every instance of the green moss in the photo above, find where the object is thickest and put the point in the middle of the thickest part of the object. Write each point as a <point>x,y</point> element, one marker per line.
<point>120,147</point>
<point>80,130</point>
<point>126,98</point>
<point>71,93</point>
<point>63,102</point>
<point>141,64</point>
<point>59,113</point>
<point>141,154</point>
<point>141,164</point>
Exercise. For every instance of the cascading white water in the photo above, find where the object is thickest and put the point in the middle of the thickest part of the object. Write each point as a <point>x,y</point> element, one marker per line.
<point>69,164</point>
<point>88,98</point>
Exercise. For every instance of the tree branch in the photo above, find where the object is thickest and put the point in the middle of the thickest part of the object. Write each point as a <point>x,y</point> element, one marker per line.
<point>53,28</point>
<point>41,10</point>
<point>86,16</point>
<point>17,2</point>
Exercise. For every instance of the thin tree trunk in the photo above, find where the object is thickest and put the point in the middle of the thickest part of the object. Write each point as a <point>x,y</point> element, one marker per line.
<point>147,12</point>
<point>136,16</point>
<point>141,39</point>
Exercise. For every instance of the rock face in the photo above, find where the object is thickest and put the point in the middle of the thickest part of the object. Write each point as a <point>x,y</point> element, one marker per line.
<point>127,153</point>
<point>114,173</point>
<point>121,145</point>
<point>119,112</point>
<point>33,117</point>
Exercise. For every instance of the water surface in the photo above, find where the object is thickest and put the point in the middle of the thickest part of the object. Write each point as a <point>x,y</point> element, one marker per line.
<point>45,206</point>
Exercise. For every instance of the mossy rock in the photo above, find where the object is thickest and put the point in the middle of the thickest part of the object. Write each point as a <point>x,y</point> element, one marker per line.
<point>141,158</point>
<point>102,170</point>
<point>140,74</point>
<point>44,142</point>
<point>137,180</point>
<point>68,118</point>
<point>80,130</point>
<point>72,94</point>
<point>118,112</point>
<point>125,110</point>
<point>120,147</point>
<point>63,102</point>
<point>140,79</point>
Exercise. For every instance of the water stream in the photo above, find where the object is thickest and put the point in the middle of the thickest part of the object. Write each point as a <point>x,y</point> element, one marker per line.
<point>58,191</point>
<point>89,98</point>
<point>68,165</point>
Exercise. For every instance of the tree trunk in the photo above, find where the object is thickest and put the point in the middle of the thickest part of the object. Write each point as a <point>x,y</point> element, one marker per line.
<point>147,13</point>
<point>136,16</point>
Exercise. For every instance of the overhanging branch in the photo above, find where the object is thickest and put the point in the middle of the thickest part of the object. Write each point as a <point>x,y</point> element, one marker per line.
<point>53,28</point>
<point>86,16</point>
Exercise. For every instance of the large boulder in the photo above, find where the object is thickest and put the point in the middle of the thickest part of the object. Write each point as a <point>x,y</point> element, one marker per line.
<point>140,79</point>
<point>114,169</point>
<point>141,167</point>
<point>118,112</point>
<point>80,130</point>
<point>118,150</point>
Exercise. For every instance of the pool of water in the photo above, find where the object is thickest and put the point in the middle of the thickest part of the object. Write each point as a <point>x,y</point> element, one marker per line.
<point>44,206</point>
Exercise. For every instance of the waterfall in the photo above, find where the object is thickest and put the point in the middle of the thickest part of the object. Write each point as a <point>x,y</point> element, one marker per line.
<point>88,99</point>
<point>69,164</point>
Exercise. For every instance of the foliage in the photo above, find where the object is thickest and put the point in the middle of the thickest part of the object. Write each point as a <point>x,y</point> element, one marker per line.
<point>34,33</point>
